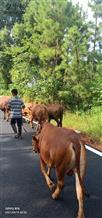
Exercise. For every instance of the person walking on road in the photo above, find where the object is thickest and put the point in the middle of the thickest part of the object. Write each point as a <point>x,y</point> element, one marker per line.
<point>15,105</point>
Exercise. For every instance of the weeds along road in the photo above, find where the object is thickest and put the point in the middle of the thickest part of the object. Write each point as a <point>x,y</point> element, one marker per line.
<point>23,191</point>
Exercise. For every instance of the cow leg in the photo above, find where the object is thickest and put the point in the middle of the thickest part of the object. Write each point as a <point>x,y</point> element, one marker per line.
<point>49,119</point>
<point>49,171</point>
<point>4,113</point>
<point>80,195</point>
<point>60,122</point>
<point>49,182</point>
<point>60,184</point>
<point>57,121</point>
<point>7,115</point>
<point>31,122</point>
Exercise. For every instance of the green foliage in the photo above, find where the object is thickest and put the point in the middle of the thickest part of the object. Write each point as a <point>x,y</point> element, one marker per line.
<point>51,53</point>
<point>5,57</point>
<point>11,11</point>
<point>89,122</point>
<point>96,90</point>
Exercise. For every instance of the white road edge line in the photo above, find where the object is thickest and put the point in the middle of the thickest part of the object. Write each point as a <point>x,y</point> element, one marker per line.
<point>93,150</point>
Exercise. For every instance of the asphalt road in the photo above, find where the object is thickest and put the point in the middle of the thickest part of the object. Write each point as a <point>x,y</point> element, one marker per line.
<point>23,191</point>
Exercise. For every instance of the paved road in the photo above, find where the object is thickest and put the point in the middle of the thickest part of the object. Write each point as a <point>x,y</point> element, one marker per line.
<point>23,192</point>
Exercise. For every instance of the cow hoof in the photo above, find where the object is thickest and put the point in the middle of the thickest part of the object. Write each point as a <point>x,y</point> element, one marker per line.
<point>54,196</point>
<point>52,187</point>
<point>80,216</point>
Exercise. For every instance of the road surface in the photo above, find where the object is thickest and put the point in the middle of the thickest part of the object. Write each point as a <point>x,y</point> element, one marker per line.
<point>23,191</point>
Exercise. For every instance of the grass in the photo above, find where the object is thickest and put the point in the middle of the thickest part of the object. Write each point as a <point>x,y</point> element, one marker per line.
<point>89,123</point>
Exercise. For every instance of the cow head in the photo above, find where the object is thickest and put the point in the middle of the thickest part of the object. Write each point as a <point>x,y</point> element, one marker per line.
<point>35,143</point>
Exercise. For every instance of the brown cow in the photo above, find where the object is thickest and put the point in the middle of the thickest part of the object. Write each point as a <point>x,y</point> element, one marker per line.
<point>60,148</point>
<point>3,106</point>
<point>55,112</point>
<point>38,113</point>
<point>27,110</point>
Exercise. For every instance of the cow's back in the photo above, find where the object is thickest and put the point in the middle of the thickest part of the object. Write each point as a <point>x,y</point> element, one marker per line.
<point>55,110</point>
<point>56,143</point>
<point>54,134</point>
<point>3,101</point>
<point>39,113</point>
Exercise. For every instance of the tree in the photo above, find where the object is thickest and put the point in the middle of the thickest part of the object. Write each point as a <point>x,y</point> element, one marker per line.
<point>11,12</point>
<point>75,51</point>
<point>5,57</point>
<point>96,36</point>
<point>39,46</point>
<point>50,52</point>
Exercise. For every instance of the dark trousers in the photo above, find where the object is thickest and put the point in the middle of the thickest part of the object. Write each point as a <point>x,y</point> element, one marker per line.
<point>17,121</point>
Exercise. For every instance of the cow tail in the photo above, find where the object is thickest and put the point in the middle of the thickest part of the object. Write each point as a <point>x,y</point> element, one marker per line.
<point>83,166</point>
<point>82,161</point>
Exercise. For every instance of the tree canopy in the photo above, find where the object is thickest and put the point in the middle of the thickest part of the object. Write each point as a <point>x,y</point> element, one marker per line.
<point>50,52</point>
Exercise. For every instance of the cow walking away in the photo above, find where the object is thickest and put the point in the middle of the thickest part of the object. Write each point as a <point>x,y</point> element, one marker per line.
<point>3,106</point>
<point>38,113</point>
<point>42,112</point>
<point>55,112</point>
<point>60,148</point>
